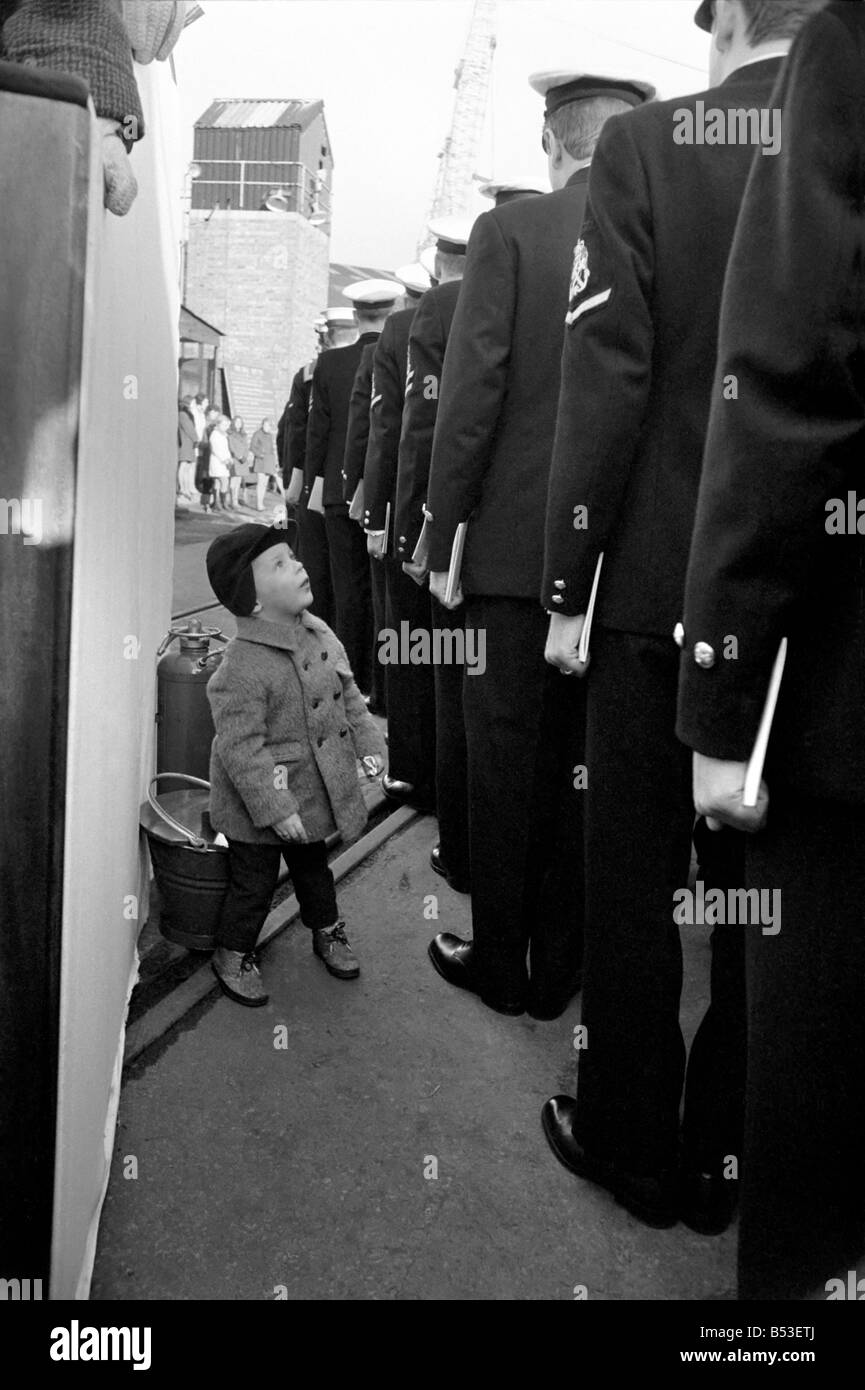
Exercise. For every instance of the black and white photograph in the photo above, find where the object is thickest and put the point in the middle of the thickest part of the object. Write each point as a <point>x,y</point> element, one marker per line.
<point>432,669</point>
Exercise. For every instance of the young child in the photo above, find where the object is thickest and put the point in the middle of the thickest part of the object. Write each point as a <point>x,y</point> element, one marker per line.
<point>290,725</point>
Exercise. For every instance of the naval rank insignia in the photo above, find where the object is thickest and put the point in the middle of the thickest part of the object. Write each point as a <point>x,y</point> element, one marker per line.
<point>580,273</point>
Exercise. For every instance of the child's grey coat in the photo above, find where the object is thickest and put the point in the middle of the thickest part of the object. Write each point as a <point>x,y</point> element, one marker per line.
<point>290,723</point>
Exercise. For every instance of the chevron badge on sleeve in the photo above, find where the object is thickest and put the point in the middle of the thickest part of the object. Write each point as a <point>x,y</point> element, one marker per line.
<point>580,276</point>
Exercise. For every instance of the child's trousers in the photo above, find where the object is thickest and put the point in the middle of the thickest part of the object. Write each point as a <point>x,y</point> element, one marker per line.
<point>253,872</point>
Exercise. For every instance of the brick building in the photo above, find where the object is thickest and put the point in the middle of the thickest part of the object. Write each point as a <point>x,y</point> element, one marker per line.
<point>259,238</point>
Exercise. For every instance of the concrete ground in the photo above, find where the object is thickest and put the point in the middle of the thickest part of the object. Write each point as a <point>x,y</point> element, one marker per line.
<point>391,1150</point>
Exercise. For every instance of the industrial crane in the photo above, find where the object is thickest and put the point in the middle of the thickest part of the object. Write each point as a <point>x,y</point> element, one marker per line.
<point>458,157</point>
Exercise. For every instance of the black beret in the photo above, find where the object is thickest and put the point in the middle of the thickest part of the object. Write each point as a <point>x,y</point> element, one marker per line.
<point>230,557</point>
<point>705,16</point>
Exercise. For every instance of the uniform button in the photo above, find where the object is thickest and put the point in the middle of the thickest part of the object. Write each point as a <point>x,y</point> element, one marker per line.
<point>324,656</point>
<point>557,598</point>
<point>336,694</point>
<point>343,732</point>
<point>559,583</point>
<point>679,636</point>
<point>316,703</point>
<point>306,666</point>
<point>320,742</point>
<point>704,655</point>
<point>402,540</point>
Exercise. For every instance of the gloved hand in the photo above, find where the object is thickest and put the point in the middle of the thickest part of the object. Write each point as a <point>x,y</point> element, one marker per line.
<point>121,187</point>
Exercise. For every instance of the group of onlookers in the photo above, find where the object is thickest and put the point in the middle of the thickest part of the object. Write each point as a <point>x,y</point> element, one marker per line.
<point>216,458</point>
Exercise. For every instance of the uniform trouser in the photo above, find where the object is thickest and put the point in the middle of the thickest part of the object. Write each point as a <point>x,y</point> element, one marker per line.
<point>253,871</point>
<point>524,729</point>
<point>411,714</point>
<point>352,592</point>
<point>639,822</point>
<point>451,754</point>
<point>802,1217</point>
<point>378,688</point>
<point>314,553</point>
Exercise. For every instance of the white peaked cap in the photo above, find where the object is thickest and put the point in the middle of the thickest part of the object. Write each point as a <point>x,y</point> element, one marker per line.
<point>452,233</point>
<point>372,293</point>
<point>415,277</point>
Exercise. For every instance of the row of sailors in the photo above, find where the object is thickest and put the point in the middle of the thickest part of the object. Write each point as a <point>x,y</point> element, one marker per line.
<point>554,389</point>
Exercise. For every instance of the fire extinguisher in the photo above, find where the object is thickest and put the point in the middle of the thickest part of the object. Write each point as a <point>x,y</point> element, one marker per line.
<point>184,725</point>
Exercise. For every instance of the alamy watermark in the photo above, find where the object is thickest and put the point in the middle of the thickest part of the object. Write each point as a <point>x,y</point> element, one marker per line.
<point>719,907</point>
<point>457,646</point>
<point>22,516</point>
<point>715,126</point>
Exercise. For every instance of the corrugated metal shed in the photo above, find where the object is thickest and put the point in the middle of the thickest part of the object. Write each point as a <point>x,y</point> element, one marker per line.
<point>245,148</point>
<point>238,113</point>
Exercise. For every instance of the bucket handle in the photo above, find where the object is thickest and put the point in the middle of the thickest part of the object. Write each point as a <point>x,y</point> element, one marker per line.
<point>195,841</point>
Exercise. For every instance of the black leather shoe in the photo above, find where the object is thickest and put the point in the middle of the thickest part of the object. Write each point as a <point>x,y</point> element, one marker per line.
<point>650,1199</point>
<point>396,790</point>
<point>440,867</point>
<point>452,958</point>
<point>707,1201</point>
<point>547,1007</point>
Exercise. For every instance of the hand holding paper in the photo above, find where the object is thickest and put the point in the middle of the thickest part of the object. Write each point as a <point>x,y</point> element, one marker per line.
<point>563,643</point>
<point>315,503</point>
<point>734,793</point>
<point>719,795</point>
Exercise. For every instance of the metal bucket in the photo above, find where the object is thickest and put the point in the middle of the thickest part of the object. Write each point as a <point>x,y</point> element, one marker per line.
<point>190,870</point>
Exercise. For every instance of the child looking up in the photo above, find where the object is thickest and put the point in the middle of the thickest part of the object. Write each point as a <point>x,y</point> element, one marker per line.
<point>290,724</point>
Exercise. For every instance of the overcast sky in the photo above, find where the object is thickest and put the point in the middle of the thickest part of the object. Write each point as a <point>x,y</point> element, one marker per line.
<point>385,71</point>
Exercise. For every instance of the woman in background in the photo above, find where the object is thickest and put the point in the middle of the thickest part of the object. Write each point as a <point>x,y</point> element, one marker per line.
<point>220,461</point>
<point>265,463</point>
<point>241,458</point>
<point>187,448</point>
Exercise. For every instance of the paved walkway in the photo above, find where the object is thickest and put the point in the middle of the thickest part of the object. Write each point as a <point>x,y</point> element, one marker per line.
<point>309,1169</point>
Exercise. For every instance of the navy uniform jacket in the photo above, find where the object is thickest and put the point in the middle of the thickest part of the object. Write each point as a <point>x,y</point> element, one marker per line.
<point>390,366</point>
<point>357,433</point>
<point>639,357</point>
<point>291,434</point>
<point>332,381</point>
<point>500,389</point>
<point>763,565</point>
<point>426,353</point>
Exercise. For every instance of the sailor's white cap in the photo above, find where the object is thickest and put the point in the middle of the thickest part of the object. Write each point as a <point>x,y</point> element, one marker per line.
<point>415,277</point>
<point>510,188</point>
<point>373,294</point>
<point>560,86</point>
<point>339,317</point>
<point>452,233</point>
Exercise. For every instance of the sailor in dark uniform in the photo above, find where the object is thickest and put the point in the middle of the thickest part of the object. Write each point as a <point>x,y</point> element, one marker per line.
<point>637,373</point>
<point>427,343</point>
<point>778,552</point>
<point>491,457</point>
<point>291,451</point>
<point>353,487</point>
<point>332,382</point>
<point>410,687</point>
<point>356,439</point>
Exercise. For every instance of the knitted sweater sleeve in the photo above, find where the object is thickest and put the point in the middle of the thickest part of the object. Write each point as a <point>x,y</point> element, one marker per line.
<point>86,37</point>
